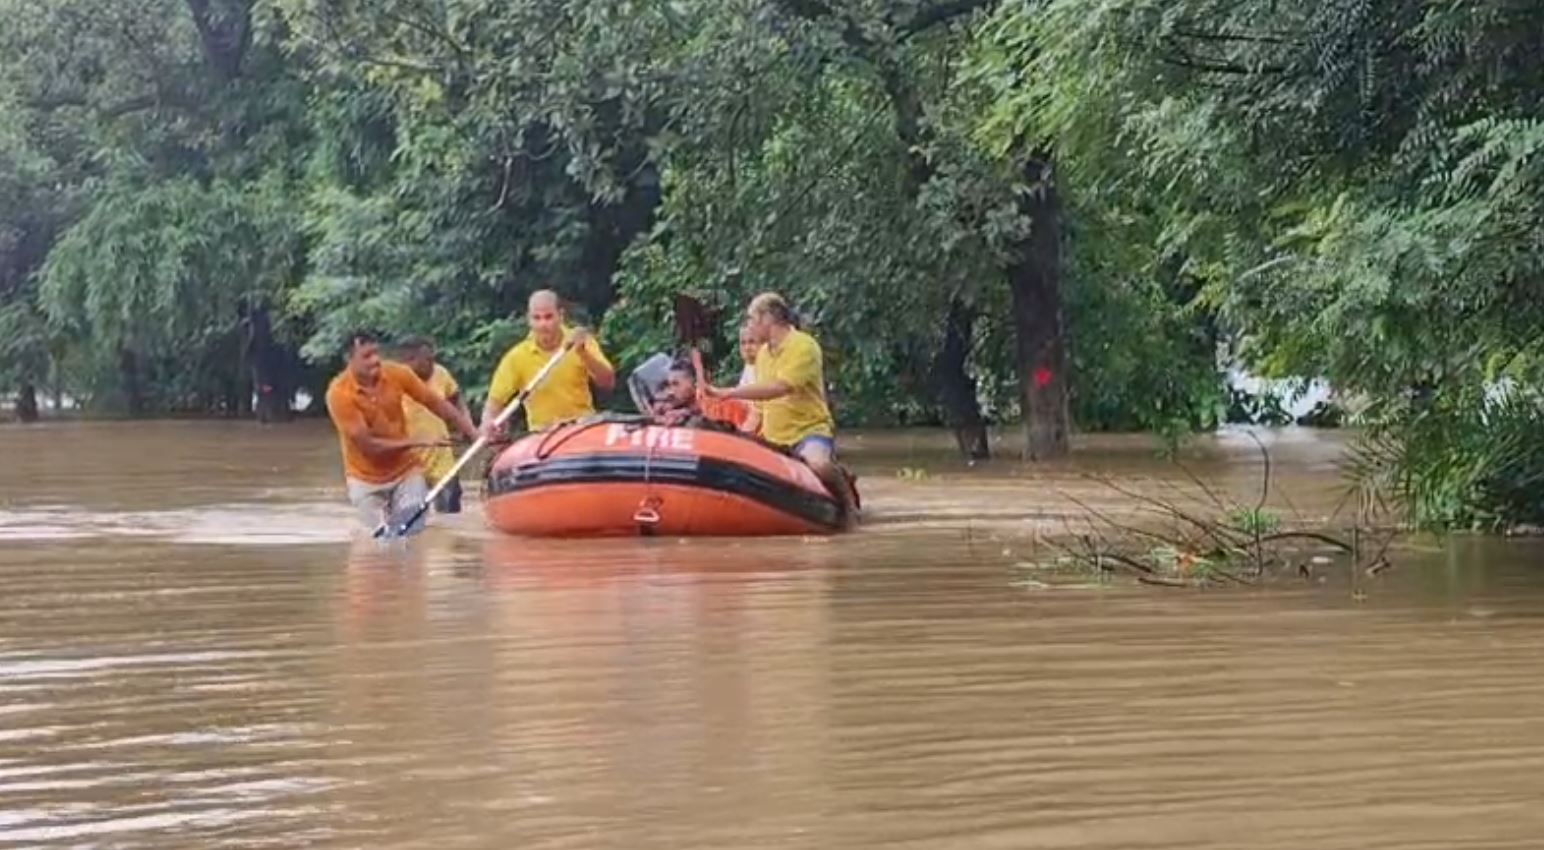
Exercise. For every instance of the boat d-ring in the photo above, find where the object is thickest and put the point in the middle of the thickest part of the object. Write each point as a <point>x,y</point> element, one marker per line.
<point>648,511</point>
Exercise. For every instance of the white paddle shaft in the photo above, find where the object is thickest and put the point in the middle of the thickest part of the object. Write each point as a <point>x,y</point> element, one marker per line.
<point>504,415</point>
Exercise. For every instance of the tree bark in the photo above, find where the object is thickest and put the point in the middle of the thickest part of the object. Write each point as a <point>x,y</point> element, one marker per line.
<point>955,387</point>
<point>269,378</point>
<point>1034,276</point>
<point>56,355</point>
<point>27,402</point>
<point>612,229</point>
<point>128,372</point>
<point>230,398</point>
<point>225,33</point>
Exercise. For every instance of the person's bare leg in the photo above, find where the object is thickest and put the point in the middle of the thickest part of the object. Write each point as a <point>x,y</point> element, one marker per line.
<point>818,456</point>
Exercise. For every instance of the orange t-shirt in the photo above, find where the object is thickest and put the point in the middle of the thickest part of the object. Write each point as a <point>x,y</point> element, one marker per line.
<point>379,410</point>
<point>731,410</point>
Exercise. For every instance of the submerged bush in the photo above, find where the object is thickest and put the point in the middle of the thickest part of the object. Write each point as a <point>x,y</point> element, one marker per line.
<point>1469,464</point>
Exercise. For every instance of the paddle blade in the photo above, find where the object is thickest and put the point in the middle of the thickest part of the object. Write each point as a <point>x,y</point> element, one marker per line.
<point>403,523</point>
<point>693,320</point>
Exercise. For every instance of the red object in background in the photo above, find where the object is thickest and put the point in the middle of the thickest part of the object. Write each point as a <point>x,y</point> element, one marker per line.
<point>1043,378</point>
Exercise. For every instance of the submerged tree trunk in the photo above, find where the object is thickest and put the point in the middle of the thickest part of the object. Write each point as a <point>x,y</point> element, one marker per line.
<point>269,379</point>
<point>56,355</point>
<point>956,388</point>
<point>1035,280</point>
<point>952,381</point>
<point>612,230</point>
<point>27,402</point>
<point>230,405</point>
<point>128,373</point>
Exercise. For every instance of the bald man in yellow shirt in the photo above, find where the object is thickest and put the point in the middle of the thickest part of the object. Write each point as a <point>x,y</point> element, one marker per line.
<point>566,393</point>
<point>791,394</point>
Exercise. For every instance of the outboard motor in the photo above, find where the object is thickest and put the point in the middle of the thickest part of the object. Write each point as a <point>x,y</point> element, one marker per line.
<point>647,382</point>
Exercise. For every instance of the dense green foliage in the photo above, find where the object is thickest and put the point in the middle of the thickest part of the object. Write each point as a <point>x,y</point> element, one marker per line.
<point>197,197</point>
<point>1353,188</point>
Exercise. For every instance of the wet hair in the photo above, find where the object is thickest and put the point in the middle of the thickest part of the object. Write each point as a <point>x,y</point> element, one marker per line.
<point>685,368</point>
<point>357,337</point>
<point>414,343</point>
<point>774,305</point>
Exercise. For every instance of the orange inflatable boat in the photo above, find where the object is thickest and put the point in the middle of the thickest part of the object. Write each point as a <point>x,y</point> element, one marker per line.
<point>614,476</point>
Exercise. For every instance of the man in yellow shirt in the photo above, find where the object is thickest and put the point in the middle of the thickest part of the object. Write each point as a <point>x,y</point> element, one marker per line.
<point>422,423</point>
<point>566,393</point>
<point>790,386</point>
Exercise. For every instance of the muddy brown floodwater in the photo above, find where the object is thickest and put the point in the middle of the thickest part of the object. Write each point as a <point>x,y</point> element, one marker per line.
<point>193,654</point>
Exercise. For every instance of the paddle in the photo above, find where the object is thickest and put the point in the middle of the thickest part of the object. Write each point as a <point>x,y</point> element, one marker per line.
<point>398,525</point>
<point>694,322</point>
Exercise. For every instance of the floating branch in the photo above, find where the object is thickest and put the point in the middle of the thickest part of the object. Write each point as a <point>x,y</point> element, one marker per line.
<point>1225,543</point>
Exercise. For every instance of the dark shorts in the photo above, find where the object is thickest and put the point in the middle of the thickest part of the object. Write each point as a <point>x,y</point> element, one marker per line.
<point>449,499</point>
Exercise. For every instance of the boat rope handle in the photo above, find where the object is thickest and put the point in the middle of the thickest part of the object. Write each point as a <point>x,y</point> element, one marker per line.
<point>648,507</point>
<point>648,511</point>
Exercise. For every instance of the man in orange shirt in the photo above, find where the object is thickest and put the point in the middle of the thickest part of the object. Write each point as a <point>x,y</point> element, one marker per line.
<point>380,464</point>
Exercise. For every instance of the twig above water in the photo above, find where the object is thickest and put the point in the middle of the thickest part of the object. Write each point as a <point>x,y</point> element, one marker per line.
<point>1230,544</point>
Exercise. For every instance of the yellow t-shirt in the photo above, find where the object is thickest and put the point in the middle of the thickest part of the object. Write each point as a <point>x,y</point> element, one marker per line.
<point>422,423</point>
<point>564,395</point>
<point>803,412</point>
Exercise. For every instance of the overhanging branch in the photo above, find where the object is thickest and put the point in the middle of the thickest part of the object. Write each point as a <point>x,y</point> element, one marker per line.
<point>940,14</point>
<point>129,106</point>
<point>855,37</point>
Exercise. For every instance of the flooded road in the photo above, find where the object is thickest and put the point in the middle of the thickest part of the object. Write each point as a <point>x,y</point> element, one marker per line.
<point>194,654</point>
